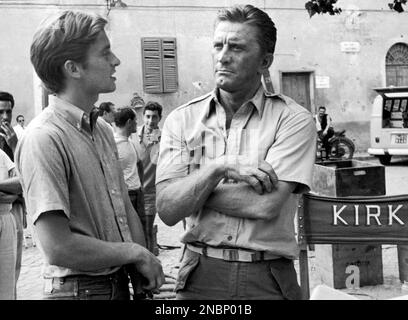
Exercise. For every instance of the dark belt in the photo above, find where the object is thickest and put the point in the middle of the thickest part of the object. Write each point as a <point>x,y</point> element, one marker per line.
<point>112,277</point>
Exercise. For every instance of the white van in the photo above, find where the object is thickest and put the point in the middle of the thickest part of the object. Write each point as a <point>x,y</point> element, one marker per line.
<point>389,124</point>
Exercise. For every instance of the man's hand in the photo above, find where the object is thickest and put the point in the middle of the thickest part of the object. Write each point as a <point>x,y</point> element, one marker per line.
<point>7,197</point>
<point>8,134</point>
<point>150,268</point>
<point>259,174</point>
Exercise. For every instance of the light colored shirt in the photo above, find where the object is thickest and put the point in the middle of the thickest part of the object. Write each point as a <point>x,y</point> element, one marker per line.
<point>270,127</point>
<point>65,166</point>
<point>6,167</point>
<point>108,124</point>
<point>128,160</point>
<point>19,130</point>
<point>149,146</point>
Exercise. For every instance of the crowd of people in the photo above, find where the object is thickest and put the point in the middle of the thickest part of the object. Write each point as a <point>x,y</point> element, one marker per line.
<point>230,164</point>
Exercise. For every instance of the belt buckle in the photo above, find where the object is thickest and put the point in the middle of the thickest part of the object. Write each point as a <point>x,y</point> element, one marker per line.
<point>230,254</point>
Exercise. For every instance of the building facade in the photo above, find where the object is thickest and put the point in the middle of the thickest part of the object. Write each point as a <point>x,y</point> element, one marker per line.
<point>165,52</point>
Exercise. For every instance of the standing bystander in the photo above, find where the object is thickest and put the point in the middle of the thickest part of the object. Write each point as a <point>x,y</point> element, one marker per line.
<point>107,112</point>
<point>8,143</point>
<point>124,125</point>
<point>9,190</point>
<point>149,144</point>
<point>19,127</point>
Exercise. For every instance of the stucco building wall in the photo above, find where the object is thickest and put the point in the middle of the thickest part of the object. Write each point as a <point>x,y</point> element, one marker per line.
<point>313,45</point>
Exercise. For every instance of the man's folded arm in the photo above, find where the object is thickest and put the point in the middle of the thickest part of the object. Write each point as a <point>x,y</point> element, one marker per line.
<point>178,198</point>
<point>242,201</point>
<point>11,185</point>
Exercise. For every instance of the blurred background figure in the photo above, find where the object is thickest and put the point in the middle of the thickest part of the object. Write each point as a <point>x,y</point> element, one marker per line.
<point>19,127</point>
<point>149,136</point>
<point>8,143</point>
<point>107,111</point>
<point>123,126</point>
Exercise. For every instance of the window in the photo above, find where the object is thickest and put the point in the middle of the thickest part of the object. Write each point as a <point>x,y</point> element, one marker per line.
<point>396,64</point>
<point>159,65</point>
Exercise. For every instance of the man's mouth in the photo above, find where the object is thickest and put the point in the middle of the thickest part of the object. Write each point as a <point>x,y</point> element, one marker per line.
<point>223,71</point>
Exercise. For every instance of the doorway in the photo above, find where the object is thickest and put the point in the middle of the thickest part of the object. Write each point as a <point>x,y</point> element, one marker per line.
<point>297,86</point>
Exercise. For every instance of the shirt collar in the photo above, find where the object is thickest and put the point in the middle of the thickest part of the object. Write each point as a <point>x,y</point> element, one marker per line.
<point>74,115</point>
<point>257,100</point>
<point>119,137</point>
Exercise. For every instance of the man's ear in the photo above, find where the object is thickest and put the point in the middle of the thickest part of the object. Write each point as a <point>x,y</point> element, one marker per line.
<point>267,61</point>
<point>72,69</point>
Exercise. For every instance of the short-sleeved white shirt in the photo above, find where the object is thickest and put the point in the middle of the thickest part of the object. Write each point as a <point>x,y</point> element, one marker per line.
<point>6,165</point>
<point>270,127</point>
<point>128,160</point>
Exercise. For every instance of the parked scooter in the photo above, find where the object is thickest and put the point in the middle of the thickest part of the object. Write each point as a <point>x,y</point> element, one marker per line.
<point>340,148</point>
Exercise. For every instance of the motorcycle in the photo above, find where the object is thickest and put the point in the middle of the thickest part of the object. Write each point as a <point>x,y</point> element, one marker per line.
<point>340,148</point>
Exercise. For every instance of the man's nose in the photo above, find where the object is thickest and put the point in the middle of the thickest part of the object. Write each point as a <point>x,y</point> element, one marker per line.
<point>224,55</point>
<point>116,60</point>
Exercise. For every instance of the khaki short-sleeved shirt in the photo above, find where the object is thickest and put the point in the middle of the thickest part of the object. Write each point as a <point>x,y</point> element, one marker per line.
<point>64,167</point>
<point>269,127</point>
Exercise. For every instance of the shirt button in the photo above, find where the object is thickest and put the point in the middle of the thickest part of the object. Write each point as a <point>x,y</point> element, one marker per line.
<point>229,238</point>
<point>113,191</point>
<point>120,220</point>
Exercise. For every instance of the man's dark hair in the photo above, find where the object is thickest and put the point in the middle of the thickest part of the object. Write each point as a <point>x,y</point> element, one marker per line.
<point>253,16</point>
<point>105,107</point>
<point>5,96</point>
<point>322,107</point>
<point>19,116</point>
<point>122,115</point>
<point>153,106</point>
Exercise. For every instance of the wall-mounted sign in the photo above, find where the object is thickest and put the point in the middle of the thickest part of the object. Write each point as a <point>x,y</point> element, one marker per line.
<point>350,46</point>
<point>322,82</point>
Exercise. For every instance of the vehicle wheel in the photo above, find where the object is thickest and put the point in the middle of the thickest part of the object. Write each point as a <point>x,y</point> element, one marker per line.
<point>385,160</point>
<point>342,148</point>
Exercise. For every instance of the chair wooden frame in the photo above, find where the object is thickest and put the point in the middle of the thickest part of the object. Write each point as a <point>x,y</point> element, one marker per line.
<point>358,220</point>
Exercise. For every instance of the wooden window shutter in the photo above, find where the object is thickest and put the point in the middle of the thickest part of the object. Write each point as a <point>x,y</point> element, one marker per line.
<point>159,65</point>
<point>169,59</point>
<point>152,65</point>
